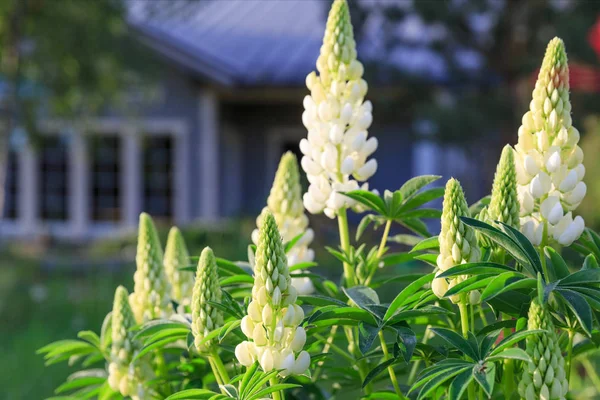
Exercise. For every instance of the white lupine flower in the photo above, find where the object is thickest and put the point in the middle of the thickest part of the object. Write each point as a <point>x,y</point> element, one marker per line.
<point>549,161</point>
<point>337,118</point>
<point>285,203</point>
<point>272,326</point>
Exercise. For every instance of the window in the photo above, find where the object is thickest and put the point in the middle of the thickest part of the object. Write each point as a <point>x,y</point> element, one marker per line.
<point>158,176</point>
<point>10,199</point>
<point>105,159</point>
<point>53,182</point>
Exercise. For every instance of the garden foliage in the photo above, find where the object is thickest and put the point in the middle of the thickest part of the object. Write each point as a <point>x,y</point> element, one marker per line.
<point>496,312</point>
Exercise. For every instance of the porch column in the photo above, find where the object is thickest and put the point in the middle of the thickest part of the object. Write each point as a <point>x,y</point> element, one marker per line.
<point>131,178</point>
<point>79,185</point>
<point>208,115</point>
<point>28,176</point>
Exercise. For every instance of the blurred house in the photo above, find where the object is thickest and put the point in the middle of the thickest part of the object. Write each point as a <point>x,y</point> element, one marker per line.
<point>230,104</point>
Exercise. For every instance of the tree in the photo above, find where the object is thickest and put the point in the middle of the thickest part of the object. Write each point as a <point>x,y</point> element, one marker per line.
<point>64,59</point>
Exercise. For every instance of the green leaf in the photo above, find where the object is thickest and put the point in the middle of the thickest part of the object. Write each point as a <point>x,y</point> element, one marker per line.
<point>525,244</point>
<point>192,394</point>
<point>401,298</point>
<point>424,197</point>
<point>226,329</point>
<point>507,281</point>
<point>584,276</point>
<point>415,225</point>
<point>419,312</point>
<point>469,284</point>
<point>511,323</point>
<point>364,224</point>
<point>367,334</point>
<point>368,199</point>
<point>396,258</point>
<point>302,265</point>
<point>503,240</point>
<point>362,296</point>
<point>250,371</point>
<point>459,384</point>
<point>236,279</point>
<point>513,353</point>
<point>230,267</point>
<point>275,388</point>
<point>289,245</point>
<point>80,383</point>
<point>421,213</point>
<point>438,380</point>
<point>319,300</point>
<point>152,327</point>
<point>90,337</point>
<point>407,338</point>
<point>405,239</point>
<point>413,185</point>
<point>376,371</point>
<point>427,244</point>
<point>476,268</point>
<point>476,207</point>
<point>579,306</point>
<point>559,265</point>
<point>485,375</point>
<point>590,262</point>
<point>157,345</point>
<point>513,339</point>
<point>457,341</point>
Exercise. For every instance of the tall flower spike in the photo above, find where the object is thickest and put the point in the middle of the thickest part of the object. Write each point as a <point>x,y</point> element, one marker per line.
<point>545,376</point>
<point>458,244</point>
<point>285,202</point>
<point>337,118</point>
<point>177,256</point>
<point>206,317</point>
<point>150,299</point>
<point>549,161</point>
<point>504,203</point>
<point>124,376</point>
<point>275,338</point>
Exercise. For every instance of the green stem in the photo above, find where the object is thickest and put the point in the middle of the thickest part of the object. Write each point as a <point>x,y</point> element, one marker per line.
<point>482,315</point>
<point>328,344</point>
<point>215,371</point>
<point>278,395</point>
<point>386,356</point>
<point>415,367</point>
<point>349,275</point>
<point>380,251</point>
<point>570,353</point>
<point>509,367</point>
<point>220,367</point>
<point>542,255</point>
<point>464,325</point>
<point>591,372</point>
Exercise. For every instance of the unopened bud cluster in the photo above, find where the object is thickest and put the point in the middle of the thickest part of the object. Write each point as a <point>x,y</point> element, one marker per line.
<point>275,338</point>
<point>549,161</point>
<point>504,203</point>
<point>205,316</point>
<point>337,118</point>
<point>176,257</point>
<point>545,376</point>
<point>458,244</point>
<point>125,376</point>
<point>285,203</point>
<point>151,297</point>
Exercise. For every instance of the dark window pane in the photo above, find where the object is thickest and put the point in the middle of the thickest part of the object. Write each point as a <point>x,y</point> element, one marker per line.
<point>105,196</point>
<point>158,176</point>
<point>53,183</point>
<point>10,199</point>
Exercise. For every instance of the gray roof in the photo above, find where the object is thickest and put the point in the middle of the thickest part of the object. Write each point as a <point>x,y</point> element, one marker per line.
<point>244,42</point>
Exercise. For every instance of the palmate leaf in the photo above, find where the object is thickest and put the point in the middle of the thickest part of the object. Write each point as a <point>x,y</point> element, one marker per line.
<point>406,339</point>
<point>557,264</point>
<point>512,340</point>
<point>433,383</point>
<point>513,353</point>
<point>413,185</point>
<point>368,199</point>
<point>505,282</point>
<point>367,334</point>
<point>476,268</point>
<point>427,244</point>
<point>376,371</point>
<point>190,394</point>
<point>588,243</point>
<point>469,284</point>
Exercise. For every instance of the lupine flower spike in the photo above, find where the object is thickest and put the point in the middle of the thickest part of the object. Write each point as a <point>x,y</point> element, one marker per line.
<point>124,376</point>
<point>206,317</point>
<point>150,299</point>
<point>504,202</point>
<point>549,161</point>
<point>458,244</point>
<point>177,256</point>
<point>337,118</point>
<point>275,338</point>
<point>545,376</point>
<point>285,203</point>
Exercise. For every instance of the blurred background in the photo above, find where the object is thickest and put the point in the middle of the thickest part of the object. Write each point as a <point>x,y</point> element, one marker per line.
<point>182,109</point>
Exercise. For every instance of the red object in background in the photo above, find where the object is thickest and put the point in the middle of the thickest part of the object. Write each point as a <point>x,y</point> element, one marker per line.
<point>594,37</point>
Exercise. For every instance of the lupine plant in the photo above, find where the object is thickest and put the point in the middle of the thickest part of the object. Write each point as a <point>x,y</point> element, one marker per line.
<point>490,310</point>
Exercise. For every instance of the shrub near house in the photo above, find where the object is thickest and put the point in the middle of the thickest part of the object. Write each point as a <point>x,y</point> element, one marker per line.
<point>497,316</point>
